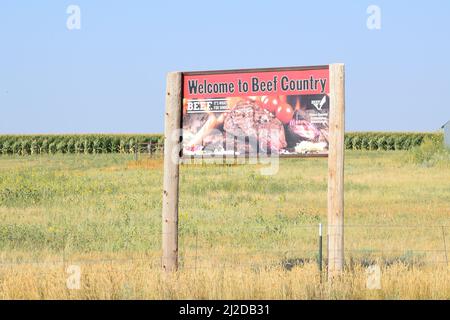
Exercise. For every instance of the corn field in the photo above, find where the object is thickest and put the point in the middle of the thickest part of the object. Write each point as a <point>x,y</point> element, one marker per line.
<point>129,143</point>
<point>388,140</point>
<point>80,144</point>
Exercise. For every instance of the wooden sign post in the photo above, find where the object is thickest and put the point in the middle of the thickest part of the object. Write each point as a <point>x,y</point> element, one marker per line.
<point>172,119</point>
<point>323,93</point>
<point>336,171</point>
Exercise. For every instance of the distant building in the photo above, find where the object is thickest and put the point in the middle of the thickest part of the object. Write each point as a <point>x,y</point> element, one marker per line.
<point>446,128</point>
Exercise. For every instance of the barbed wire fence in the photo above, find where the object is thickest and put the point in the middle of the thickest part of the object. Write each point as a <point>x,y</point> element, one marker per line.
<point>279,247</point>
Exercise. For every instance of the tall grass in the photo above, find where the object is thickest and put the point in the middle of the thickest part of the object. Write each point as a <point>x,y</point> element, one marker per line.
<point>141,281</point>
<point>240,232</point>
<point>431,152</point>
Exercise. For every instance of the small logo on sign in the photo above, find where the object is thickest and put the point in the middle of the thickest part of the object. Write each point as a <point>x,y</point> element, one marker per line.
<point>319,103</point>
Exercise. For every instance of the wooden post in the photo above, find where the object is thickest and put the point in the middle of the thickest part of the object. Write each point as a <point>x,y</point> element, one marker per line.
<point>171,172</point>
<point>136,146</point>
<point>336,171</point>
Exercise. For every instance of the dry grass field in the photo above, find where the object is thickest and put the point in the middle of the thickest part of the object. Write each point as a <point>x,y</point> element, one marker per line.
<point>242,235</point>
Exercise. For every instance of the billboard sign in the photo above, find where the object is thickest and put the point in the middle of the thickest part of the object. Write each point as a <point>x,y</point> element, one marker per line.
<point>282,111</point>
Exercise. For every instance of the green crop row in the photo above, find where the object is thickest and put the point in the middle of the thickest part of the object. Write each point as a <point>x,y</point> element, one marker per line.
<point>388,140</point>
<point>75,143</point>
<point>129,143</point>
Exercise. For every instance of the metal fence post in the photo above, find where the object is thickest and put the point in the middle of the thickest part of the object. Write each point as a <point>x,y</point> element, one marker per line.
<point>445,244</point>
<point>320,251</point>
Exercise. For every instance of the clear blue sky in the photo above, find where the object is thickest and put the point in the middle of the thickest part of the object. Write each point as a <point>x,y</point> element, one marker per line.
<point>109,76</point>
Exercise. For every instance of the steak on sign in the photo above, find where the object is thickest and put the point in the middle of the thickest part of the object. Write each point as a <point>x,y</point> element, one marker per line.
<point>246,120</point>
